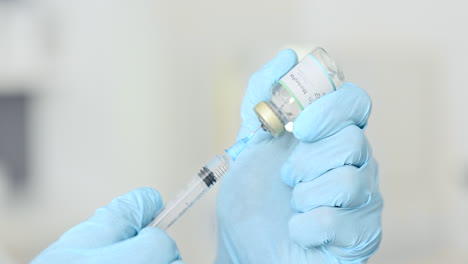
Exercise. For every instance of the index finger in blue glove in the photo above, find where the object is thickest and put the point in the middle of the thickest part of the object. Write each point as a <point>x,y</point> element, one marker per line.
<point>350,105</point>
<point>123,218</point>
<point>310,160</point>
<point>259,87</point>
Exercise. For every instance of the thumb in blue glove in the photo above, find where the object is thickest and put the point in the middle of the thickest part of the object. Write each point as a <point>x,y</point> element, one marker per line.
<point>117,234</point>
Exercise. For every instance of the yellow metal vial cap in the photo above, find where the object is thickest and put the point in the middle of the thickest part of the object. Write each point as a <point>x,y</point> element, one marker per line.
<point>269,119</point>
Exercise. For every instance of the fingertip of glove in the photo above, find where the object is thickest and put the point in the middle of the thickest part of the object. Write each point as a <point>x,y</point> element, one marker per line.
<point>286,174</point>
<point>287,53</point>
<point>283,62</point>
<point>294,206</point>
<point>289,56</point>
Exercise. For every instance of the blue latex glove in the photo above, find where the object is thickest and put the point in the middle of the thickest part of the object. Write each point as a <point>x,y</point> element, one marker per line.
<point>307,197</point>
<point>117,234</point>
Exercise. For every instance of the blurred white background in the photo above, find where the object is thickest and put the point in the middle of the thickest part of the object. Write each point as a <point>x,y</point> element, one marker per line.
<point>125,94</point>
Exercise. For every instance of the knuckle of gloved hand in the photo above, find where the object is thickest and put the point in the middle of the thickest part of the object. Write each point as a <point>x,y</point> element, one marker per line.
<point>357,93</point>
<point>313,229</point>
<point>356,146</point>
<point>353,190</point>
<point>366,102</point>
<point>366,99</point>
<point>343,199</point>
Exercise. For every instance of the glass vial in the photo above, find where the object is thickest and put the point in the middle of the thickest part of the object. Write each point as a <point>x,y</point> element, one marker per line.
<point>314,76</point>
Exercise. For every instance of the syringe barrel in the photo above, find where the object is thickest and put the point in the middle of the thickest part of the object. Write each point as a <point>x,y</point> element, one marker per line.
<point>202,182</point>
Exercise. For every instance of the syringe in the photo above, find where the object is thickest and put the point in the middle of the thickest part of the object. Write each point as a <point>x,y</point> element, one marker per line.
<point>211,173</point>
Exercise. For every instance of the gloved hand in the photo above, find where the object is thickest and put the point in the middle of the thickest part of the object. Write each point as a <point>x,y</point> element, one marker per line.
<point>117,234</point>
<point>307,197</point>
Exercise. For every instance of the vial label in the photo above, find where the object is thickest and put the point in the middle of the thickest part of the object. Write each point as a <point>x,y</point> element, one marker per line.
<point>307,81</point>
